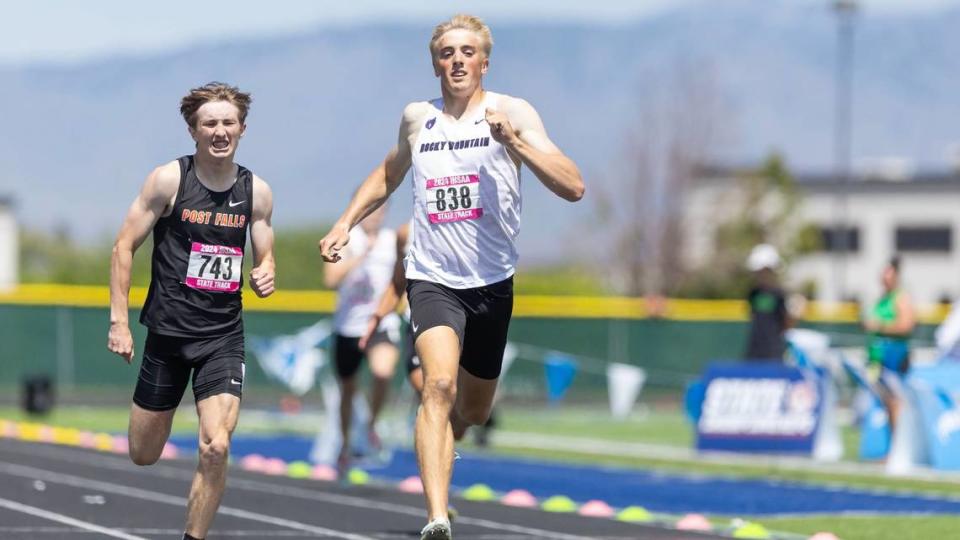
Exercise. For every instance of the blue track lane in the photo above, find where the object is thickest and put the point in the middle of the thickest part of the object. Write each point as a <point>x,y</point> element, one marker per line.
<point>658,492</point>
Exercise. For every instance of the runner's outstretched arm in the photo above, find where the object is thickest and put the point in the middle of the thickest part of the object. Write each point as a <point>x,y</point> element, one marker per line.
<point>154,199</point>
<point>518,127</point>
<point>261,239</point>
<point>378,186</point>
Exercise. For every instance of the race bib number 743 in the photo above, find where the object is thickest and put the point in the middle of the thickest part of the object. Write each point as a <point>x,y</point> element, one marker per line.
<point>454,198</point>
<point>214,268</point>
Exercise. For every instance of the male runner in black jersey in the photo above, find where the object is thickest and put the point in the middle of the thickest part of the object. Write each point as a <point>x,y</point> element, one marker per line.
<point>199,208</point>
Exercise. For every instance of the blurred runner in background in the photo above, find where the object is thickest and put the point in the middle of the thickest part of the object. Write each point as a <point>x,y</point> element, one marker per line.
<point>361,278</point>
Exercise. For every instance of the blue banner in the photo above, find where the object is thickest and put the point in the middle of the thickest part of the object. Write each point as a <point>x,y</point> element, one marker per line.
<point>937,389</point>
<point>751,407</point>
<point>874,422</point>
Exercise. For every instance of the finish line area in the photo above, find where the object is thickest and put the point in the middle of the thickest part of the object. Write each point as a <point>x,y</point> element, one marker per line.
<point>70,493</point>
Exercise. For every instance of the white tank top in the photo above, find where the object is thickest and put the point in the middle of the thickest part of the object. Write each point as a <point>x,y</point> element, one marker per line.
<point>361,289</point>
<point>406,255</point>
<point>466,202</point>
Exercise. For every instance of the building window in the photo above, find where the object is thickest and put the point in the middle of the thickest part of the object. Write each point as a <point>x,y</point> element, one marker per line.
<point>925,238</point>
<point>836,240</point>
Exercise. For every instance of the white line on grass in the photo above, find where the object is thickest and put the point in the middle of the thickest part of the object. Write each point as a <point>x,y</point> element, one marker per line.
<point>119,489</point>
<point>66,520</point>
<point>854,514</point>
<point>537,441</point>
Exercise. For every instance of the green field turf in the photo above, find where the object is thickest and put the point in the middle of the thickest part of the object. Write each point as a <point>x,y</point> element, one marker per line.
<point>873,527</point>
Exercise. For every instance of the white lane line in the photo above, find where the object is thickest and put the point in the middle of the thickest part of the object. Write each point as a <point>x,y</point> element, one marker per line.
<point>119,489</point>
<point>59,531</point>
<point>233,482</point>
<point>66,520</point>
<point>347,500</point>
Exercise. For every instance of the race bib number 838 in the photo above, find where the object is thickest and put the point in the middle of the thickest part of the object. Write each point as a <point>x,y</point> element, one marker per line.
<point>454,198</point>
<point>214,268</point>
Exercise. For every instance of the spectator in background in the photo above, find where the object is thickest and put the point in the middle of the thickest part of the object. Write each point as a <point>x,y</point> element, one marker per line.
<point>890,323</point>
<point>889,326</point>
<point>769,317</point>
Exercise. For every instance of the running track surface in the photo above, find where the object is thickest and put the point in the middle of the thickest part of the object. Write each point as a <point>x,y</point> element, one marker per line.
<point>56,492</point>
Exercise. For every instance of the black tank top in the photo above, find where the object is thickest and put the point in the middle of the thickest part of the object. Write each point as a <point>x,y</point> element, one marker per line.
<point>196,274</point>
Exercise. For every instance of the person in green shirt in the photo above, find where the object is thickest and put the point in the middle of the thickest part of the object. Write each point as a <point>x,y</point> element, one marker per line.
<point>889,326</point>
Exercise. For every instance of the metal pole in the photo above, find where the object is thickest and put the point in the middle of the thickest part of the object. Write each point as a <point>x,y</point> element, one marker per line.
<point>842,136</point>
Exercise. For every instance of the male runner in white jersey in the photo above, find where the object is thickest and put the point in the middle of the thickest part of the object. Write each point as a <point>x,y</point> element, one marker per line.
<point>366,271</point>
<point>465,149</point>
<point>198,208</point>
<point>391,298</point>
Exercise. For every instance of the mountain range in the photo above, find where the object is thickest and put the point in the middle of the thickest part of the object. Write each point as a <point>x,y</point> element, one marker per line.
<point>77,140</point>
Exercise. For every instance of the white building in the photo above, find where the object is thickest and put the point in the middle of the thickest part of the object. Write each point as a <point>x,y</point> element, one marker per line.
<point>916,217</point>
<point>9,245</point>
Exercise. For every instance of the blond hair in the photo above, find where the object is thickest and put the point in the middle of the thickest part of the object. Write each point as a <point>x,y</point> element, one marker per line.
<point>464,22</point>
<point>213,91</point>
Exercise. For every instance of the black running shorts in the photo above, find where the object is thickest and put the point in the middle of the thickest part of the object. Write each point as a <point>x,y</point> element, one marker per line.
<point>410,358</point>
<point>216,363</point>
<point>347,354</point>
<point>480,316</point>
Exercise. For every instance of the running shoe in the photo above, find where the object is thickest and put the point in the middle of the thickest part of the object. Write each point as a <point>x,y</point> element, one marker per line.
<point>343,467</point>
<point>438,529</point>
<point>374,442</point>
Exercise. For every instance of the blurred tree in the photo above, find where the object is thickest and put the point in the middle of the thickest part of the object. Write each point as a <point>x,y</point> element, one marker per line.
<point>56,258</point>
<point>767,201</point>
<point>680,122</point>
<point>295,251</point>
<point>560,281</point>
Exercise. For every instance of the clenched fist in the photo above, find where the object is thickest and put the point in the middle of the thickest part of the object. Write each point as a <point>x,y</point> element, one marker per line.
<point>261,281</point>
<point>500,128</point>
<point>120,341</point>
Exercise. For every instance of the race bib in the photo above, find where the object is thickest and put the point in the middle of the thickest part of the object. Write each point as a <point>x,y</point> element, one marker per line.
<point>454,198</point>
<point>214,268</point>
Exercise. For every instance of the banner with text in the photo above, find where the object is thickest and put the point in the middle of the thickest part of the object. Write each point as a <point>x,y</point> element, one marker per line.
<point>750,407</point>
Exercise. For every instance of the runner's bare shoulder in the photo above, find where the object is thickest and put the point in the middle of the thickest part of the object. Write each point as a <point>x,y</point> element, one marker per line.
<point>414,115</point>
<point>166,178</point>
<point>162,184</point>
<point>262,198</point>
<point>514,106</point>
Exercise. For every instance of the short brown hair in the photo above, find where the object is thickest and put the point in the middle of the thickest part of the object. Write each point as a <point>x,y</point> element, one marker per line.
<point>213,91</point>
<point>465,22</point>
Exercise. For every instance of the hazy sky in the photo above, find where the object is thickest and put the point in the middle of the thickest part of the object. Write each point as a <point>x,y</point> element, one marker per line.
<point>68,31</point>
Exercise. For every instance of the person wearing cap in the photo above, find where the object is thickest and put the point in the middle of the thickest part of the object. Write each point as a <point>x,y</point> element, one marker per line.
<point>769,317</point>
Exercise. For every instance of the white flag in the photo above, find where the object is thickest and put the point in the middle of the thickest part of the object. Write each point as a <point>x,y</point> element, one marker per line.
<point>293,360</point>
<point>624,382</point>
